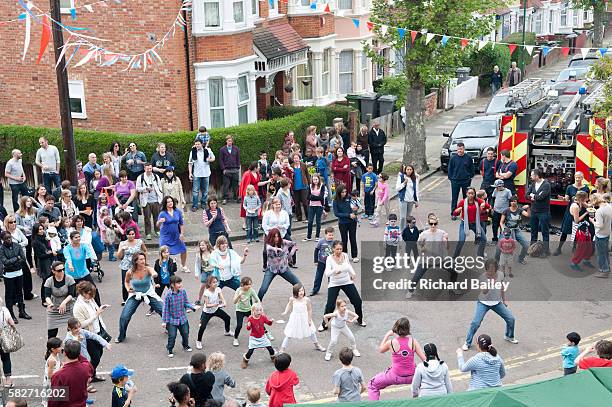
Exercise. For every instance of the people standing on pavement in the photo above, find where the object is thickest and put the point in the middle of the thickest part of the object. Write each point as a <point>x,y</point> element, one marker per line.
<point>162,159</point>
<point>603,186</point>
<point>539,194</point>
<point>214,302</point>
<point>216,363</point>
<point>288,141</point>
<point>369,181</point>
<point>497,80</point>
<point>13,171</point>
<point>252,206</point>
<point>216,222</point>
<point>135,161</point>
<point>59,297</point>
<point>407,187</point>
<point>469,209</point>
<point>165,267</point>
<point>382,199</point>
<point>243,299</point>
<point>91,166</point>
<point>12,259</point>
<point>338,320</point>
<point>202,268</point>
<point>148,186</point>
<point>48,159</point>
<point>317,201</point>
<point>50,211</point>
<point>280,253</point>
<point>363,147</point>
<point>570,193</point>
<point>107,162</point>
<point>514,76</point>
<point>171,224</point>
<point>460,174</point>
<point>174,315</point>
<point>506,169</point>
<point>501,201</point>
<point>39,196</point>
<point>491,299</point>
<point>25,217</point>
<point>403,347</point>
<point>27,266</point>
<point>85,205</point>
<point>322,250</point>
<point>376,142</point>
<point>344,134</point>
<point>431,377</point>
<point>43,254</point>
<point>256,323</point>
<point>357,165</point>
<point>250,177</point>
<point>171,185</point>
<point>76,255</point>
<point>125,192</point>
<point>487,170</point>
<point>199,380</point>
<point>347,222</point>
<point>341,168</point>
<point>299,325</point>
<point>310,145</point>
<point>67,206</point>
<point>511,219</point>
<point>227,263</point>
<point>570,352</point>
<point>301,181</point>
<point>265,173</point>
<point>116,157</point>
<point>127,249</point>
<point>229,156</point>
<point>199,173</point>
<point>486,367</point>
<point>603,229</point>
<point>139,285</point>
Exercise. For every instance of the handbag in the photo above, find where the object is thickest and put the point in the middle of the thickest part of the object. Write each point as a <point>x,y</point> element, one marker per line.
<point>105,335</point>
<point>10,339</point>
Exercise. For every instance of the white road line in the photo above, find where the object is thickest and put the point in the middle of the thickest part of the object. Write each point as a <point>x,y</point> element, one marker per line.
<point>25,376</point>
<point>163,369</point>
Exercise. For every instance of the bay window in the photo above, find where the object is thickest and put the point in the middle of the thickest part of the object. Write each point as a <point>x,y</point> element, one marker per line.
<point>217,104</point>
<point>243,99</point>
<point>346,71</point>
<point>326,70</point>
<point>212,17</point>
<point>304,79</point>
<point>238,12</point>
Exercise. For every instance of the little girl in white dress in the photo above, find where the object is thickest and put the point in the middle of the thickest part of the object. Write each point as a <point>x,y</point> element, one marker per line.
<point>300,323</point>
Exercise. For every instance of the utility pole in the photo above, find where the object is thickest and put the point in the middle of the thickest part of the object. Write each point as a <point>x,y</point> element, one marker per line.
<point>63,93</point>
<point>523,40</point>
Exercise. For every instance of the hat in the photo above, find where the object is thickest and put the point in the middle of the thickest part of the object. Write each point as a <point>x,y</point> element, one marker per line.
<point>170,168</point>
<point>51,230</point>
<point>498,183</point>
<point>120,371</point>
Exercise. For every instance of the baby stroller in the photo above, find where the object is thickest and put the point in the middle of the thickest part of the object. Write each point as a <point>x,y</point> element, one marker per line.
<point>98,246</point>
<point>94,268</point>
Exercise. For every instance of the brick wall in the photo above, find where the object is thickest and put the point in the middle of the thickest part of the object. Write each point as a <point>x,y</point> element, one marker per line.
<point>224,47</point>
<point>130,102</point>
<point>313,26</point>
<point>431,104</point>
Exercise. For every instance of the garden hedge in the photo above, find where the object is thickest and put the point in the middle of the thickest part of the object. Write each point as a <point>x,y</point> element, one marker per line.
<point>332,111</point>
<point>251,138</point>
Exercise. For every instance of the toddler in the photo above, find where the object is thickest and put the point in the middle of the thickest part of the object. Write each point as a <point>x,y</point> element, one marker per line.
<point>506,246</point>
<point>382,199</point>
<point>253,397</point>
<point>356,204</point>
<point>216,363</point>
<point>392,236</point>
<point>252,205</point>
<point>569,353</point>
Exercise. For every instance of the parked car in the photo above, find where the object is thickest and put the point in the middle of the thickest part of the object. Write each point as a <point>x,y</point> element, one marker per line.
<point>497,104</point>
<point>478,133</point>
<point>578,61</point>
<point>579,72</point>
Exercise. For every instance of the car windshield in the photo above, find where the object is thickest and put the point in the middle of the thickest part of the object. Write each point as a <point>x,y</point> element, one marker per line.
<point>497,104</point>
<point>582,62</point>
<point>565,74</point>
<point>474,128</point>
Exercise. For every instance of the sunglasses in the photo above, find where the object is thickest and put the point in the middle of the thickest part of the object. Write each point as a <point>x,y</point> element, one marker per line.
<point>58,270</point>
<point>10,222</point>
<point>433,224</point>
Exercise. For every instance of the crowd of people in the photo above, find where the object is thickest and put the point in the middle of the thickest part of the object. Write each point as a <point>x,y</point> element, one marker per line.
<point>59,232</point>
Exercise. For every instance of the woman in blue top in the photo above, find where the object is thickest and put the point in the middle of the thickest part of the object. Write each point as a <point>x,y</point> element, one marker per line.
<point>347,221</point>
<point>170,224</point>
<point>139,284</point>
<point>76,255</point>
<point>486,367</point>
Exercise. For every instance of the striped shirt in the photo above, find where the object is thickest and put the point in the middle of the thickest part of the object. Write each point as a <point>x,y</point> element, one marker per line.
<point>486,370</point>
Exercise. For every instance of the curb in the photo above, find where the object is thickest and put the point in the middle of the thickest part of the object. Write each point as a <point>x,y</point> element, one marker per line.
<point>241,235</point>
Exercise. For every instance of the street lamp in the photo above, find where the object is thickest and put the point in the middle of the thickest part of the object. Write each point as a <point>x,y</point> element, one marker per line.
<point>523,39</point>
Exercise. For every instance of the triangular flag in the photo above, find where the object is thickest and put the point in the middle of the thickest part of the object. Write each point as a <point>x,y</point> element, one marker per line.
<point>44,38</point>
<point>482,44</point>
<point>545,50</point>
<point>511,47</point>
<point>22,16</point>
<point>370,25</point>
<point>464,43</point>
<point>356,22</point>
<point>384,29</point>
<point>73,13</point>
<point>584,52</point>
<point>86,59</point>
<point>429,37</point>
<point>88,7</point>
<point>271,3</point>
<point>529,49</point>
<point>444,40</point>
<point>603,51</point>
<point>327,9</point>
<point>313,6</point>
<point>401,33</point>
<point>413,35</point>
<point>565,51</point>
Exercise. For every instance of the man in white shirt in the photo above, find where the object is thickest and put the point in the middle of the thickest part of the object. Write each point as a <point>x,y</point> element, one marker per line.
<point>199,173</point>
<point>48,159</point>
<point>148,186</point>
<point>603,229</point>
<point>13,171</point>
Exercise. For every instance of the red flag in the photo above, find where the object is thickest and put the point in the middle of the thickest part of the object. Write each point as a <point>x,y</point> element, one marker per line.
<point>44,38</point>
<point>327,9</point>
<point>464,43</point>
<point>413,35</point>
<point>511,47</point>
<point>565,51</point>
<point>370,25</point>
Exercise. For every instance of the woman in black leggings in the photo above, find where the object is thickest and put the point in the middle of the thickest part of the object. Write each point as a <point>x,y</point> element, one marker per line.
<point>347,221</point>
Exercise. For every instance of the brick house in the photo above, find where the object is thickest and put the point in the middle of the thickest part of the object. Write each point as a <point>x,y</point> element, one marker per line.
<point>236,58</point>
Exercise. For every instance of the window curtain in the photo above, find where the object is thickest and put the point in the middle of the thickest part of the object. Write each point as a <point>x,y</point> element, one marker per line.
<point>346,71</point>
<point>211,14</point>
<point>215,90</point>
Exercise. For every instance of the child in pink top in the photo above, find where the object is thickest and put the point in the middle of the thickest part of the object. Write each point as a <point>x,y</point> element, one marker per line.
<point>382,198</point>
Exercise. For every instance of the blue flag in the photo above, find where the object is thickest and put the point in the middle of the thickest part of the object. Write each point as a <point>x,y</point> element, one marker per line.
<point>545,50</point>
<point>313,5</point>
<point>356,22</point>
<point>603,51</point>
<point>73,13</point>
<point>402,33</point>
<point>444,40</point>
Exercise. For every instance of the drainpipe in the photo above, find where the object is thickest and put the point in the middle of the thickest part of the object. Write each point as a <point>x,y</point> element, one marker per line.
<point>188,73</point>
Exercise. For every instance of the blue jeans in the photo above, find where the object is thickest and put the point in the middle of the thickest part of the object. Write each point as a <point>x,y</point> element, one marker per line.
<point>111,251</point>
<point>481,310</point>
<point>314,213</point>
<point>520,238</point>
<point>251,227</point>
<point>51,178</point>
<point>16,190</point>
<point>233,283</point>
<point>199,184</point>
<point>540,222</point>
<point>131,305</point>
<point>603,260</point>
<point>482,240</point>
<point>269,276</point>
<point>318,277</point>
<point>457,186</point>
<point>172,329</point>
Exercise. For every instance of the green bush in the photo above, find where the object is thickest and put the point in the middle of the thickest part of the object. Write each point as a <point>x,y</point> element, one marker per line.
<point>481,63</point>
<point>331,112</point>
<point>265,135</point>
<point>517,38</point>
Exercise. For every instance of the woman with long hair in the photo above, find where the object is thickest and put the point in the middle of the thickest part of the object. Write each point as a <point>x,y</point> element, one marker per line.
<point>106,187</point>
<point>12,259</point>
<point>171,185</point>
<point>67,206</point>
<point>317,198</point>
<point>60,292</point>
<point>116,157</point>
<point>227,263</point>
<point>40,196</point>
<point>568,218</point>
<point>279,253</point>
<point>43,254</point>
<point>407,187</point>
<point>10,225</point>
<point>171,225</point>
<point>125,192</point>
<point>127,249</point>
<point>347,221</point>
<point>215,220</point>
<point>86,205</point>
<point>26,217</point>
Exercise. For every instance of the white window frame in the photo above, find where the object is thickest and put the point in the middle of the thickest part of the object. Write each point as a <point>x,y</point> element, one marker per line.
<point>537,23</point>
<point>244,17</point>
<point>351,73</point>
<point>245,102</point>
<point>326,74</point>
<point>255,10</point>
<point>220,7</point>
<point>305,1</point>
<point>76,90</point>
<point>222,107</point>
<point>551,16</point>
<point>575,18</point>
<point>273,11</point>
<point>64,10</point>
<point>563,14</point>
<point>301,88</point>
<point>342,6</point>
<point>364,70</point>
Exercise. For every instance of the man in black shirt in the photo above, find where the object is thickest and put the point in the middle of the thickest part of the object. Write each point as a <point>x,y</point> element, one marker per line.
<point>539,194</point>
<point>199,381</point>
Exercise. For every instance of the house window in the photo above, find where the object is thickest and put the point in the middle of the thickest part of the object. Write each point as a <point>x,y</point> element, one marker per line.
<point>238,12</point>
<point>364,70</point>
<point>564,15</point>
<point>306,3</point>
<point>243,100</point>
<point>212,17</point>
<point>575,14</point>
<point>272,4</point>
<point>217,105</point>
<point>538,23</point>
<point>254,7</point>
<point>345,4</point>
<point>325,74</point>
<point>380,66</point>
<point>304,79</point>
<point>346,71</point>
<point>400,53</point>
<point>76,92</point>
<point>551,16</point>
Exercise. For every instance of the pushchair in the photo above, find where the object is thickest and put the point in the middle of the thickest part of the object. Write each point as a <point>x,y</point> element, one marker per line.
<point>95,268</point>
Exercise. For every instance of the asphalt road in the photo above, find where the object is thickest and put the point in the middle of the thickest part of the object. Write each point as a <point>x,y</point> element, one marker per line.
<point>541,328</point>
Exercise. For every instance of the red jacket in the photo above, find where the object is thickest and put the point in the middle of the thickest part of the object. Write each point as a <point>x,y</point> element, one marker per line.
<point>589,362</point>
<point>280,388</point>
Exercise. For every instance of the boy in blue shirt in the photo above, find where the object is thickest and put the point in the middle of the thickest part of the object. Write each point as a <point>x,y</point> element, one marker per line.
<point>569,353</point>
<point>369,180</point>
<point>123,392</point>
<point>392,236</point>
<point>321,165</point>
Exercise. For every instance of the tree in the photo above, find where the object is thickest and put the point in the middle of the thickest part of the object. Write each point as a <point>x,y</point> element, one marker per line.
<point>602,70</point>
<point>430,63</point>
<point>599,16</point>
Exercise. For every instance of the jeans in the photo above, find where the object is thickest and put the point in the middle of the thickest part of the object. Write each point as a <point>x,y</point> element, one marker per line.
<point>348,231</point>
<point>318,278</point>
<point>494,87</point>
<point>51,180</point>
<point>457,186</point>
<point>251,228</point>
<point>172,329</point>
<point>518,236</point>
<point>240,316</point>
<point>369,202</point>
<point>481,310</point>
<point>314,213</point>
<point>230,182</point>
<point>16,190</point>
<point>150,211</point>
<point>269,276</point>
<point>233,283</point>
<point>131,305</point>
<point>111,251</point>
<point>540,222</point>
<point>495,218</point>
<point>482,239</point>
<point>199,184</point>
<point>603,259</point>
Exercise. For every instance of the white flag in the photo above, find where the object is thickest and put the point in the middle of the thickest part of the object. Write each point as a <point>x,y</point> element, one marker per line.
<point>88,7</point>
<point>482,44</point>
<point>429,37</point>
<point>383,30</point>
<point>584,52</point>
<point>529,49</point>
<point>86,59</point>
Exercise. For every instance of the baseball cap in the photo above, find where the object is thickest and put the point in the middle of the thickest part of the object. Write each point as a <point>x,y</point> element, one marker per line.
<point>169,168</point>
<point>52,230</point>
<point>498,183</point>
<point>119,371</point>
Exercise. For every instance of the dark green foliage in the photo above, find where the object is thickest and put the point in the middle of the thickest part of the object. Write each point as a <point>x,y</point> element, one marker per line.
<point>517,38</point>
<point>481,63</point>
<point>331,112</point>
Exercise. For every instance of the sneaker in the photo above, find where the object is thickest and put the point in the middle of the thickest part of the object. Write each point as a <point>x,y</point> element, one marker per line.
<point>319,347</point>
<point>364,216</point>
<point>355,259</point>
<point>224,202</point>
<point>356,353</point>
<point>306,239</point>
<point>198,302</point>
<point>269,335</point>
<point>112,259</point>
<point>194,209</point>
<point>328,356</point>
<point>522,261</point>
<point>575,267</point>
<point>117,340</point>
<point>363,324</point>
<point>409,294</point>
<point>257,240</point>
<point>588,264</point>
<point>186,270</point>
<point>236,343</point>
<point>198,345</point>
<point>149,312</point>
<point>465,347</point>
<point>453,218</point>
<point>188,349</point>
<point>311,294</point>
<point>122,303</point>
<point>228,334</point>
<point>156,233</point>
<point>602,274</point>
<point>170,354</point>
<point>148,237</point>
<point>321,328</point>
<point>511,340</point>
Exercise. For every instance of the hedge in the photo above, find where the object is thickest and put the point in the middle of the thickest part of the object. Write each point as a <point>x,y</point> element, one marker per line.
<point>517,38</point>
<point>331,112</point>
<point>251,138</point>
<point>481,63</point>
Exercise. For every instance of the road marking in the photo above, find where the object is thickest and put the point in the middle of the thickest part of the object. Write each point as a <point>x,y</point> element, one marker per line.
<point>163,369</point>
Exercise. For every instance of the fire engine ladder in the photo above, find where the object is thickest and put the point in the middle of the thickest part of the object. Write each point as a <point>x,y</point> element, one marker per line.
<point>594,98</point>
<point>526,94</point>
<point>558,120</point>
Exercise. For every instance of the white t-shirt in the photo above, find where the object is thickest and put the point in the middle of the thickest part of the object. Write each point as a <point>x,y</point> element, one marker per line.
<point>345,270</point>
<point>213,299</point>
<point>493,296</point>
<point>201,167</point>
<point>49,158</point>
<point>433,243</point>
